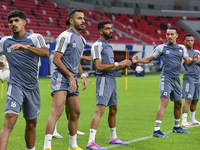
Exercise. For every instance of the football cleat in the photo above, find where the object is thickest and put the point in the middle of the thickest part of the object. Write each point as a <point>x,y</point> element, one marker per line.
<point>186,124</point>
<point>76,148</point>
<point>94,146</point>
<point>48,149</point>
<point>159,134</point>
<point>57,135</point>
<point>118,141</point>
<point>194,122</point>
<point>179,130</point>
<point>78,132</point>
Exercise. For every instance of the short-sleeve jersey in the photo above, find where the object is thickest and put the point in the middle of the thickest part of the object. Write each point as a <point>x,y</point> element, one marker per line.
<point>171,55</point>
<point>23,64</point>
<point>191,72</point>
<point>103,50</point>
<point>71,45</point>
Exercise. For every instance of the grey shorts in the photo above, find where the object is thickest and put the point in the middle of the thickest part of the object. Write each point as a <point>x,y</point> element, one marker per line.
<point>28,100</point>
<point>190,91</point>
<point>60,82</point>
<point>106,91</point>
<point>170,88</point>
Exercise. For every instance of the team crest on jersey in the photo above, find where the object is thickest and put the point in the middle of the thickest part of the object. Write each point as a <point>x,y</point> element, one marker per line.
<point>74,44</point>
<point>167,52</point>
<point>180,50</point>
<point>8,49</point>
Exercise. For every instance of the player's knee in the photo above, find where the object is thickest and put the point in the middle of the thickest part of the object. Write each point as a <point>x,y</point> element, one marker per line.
<point>31,124</point>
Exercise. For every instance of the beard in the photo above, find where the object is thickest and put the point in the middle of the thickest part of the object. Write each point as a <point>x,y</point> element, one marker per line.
<point>77,26</point>
<point>107,36</point>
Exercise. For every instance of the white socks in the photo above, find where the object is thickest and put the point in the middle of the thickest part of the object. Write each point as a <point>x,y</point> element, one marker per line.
<point>176,122</point>
<point>31,148</point>
<point>92,135</point>
<point>73,141</point>
<point>47,141</point>
<point>192,116</point>
<point>184,117</point>
<point>157,125</point>
<point>113,134</point>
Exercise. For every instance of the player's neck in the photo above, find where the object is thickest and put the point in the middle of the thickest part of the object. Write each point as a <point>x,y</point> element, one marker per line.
<point>19,34</point>
<point>189,48</point>
<point>77,31</point>
<point>103,38</point>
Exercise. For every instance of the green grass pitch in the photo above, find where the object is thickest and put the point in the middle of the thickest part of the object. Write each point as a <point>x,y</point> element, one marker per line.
<point>136,114</point>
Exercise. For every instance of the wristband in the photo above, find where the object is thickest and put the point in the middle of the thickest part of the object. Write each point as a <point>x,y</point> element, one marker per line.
<point>83,75</point>
<point>116,64</point>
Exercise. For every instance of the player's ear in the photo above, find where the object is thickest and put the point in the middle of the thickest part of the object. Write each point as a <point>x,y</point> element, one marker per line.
<point>24,22</point>
<point>101,31</point>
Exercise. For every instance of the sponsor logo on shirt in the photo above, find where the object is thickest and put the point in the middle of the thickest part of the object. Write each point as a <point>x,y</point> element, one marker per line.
<point>167,52</point>
<point>180,50</point>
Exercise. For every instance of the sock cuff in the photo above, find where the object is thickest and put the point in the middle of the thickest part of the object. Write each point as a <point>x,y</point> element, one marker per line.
<point>176,119</point>
<point>158,121</point>
<point>112,128</point>
<point>93,130</point>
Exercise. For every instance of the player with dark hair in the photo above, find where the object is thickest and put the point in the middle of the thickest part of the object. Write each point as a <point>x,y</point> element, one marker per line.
<point>55,133</point>
<point>190,88</point>
<point>106,88</point>
<point>170,88</point>
<point>69,48</point>
<point>22,52</point>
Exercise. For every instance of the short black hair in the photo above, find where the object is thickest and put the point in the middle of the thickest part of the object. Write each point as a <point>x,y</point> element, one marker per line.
<point>102,23</point>
<point>16,13</point>
<point>72,12</point>
<point>173,28</point>
<point>67,22</point>
<point>188,34</point>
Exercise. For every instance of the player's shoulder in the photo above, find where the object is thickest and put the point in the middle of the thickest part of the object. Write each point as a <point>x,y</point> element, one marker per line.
<point>83,39</point>
<point>33,35</point>
<point>65,34</point>
<point>181,45</point>
<point>5,38</point>
<point>161,46</point>
<point>197,51</point>
<point>98,43</point>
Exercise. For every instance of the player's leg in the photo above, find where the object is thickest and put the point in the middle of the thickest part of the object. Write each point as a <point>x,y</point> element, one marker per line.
<point>30,133</point>
<point>58,103</point>
<point>67,114</point>
<point>103,95</point>
<point>176,97</point>
<point>187,94</point>
<point>9,122</point>
<point>14,100</point>
<point>55,133</point>
<point>73,108</point>
<point>193,106</point>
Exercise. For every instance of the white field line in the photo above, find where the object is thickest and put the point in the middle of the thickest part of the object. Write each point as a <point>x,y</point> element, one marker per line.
<point>139,139</point>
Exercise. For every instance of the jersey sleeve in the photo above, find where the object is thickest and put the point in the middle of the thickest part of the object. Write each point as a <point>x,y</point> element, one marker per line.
<point>62,42</point>
<point>38,41</point>
<point>96,51</point>
<point>185,52</point>
<point>157,51</point>
<point>1,47</point>
<point>84,43</point>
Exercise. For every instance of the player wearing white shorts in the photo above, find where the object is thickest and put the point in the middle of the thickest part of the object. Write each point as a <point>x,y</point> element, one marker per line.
<point>190,89</point>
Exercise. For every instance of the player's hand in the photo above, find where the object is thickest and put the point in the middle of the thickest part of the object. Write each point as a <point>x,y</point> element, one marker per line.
<point>2,65</point>
<point>19,47</point>
<point>135,59</point>
<point>125,63</point>
<point>196,57</point>
<point>73,85</point>
<point>84,83</point>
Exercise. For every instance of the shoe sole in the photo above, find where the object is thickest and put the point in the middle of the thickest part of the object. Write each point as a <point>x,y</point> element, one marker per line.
<point>160,136</point>
<point>174,131</point>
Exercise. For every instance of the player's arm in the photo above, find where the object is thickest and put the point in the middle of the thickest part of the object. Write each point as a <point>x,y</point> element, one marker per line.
<point>59,64</point>
<point>88,58</point>
<point>83,76</point>
<point>189,61</point>
<point>143,60</point>
<point>127,63</point>
<point>102,67</point>
<point>41,52</point>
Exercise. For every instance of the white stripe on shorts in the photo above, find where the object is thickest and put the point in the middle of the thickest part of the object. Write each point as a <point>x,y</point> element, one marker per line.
<point>9,89</point>
<point>102,86</point>
<point>162,83</point>
<point>187,85</point>
<point>58,83</point>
